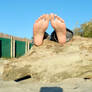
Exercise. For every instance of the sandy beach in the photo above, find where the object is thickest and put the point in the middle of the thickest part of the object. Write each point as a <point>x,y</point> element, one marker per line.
<point>49,76</point>
<point>67,85</point>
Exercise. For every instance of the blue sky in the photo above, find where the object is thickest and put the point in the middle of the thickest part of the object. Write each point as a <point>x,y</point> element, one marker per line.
<point>18,16</point>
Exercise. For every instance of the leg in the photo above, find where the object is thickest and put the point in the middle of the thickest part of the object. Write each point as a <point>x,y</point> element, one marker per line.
<point>45,35</point>
<point>59,27</point>
<point>69,35</point>
<point>39,28</point>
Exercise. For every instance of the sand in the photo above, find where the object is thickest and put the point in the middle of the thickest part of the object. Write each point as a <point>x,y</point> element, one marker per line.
<point>44,81</point>
<point>67,85</point>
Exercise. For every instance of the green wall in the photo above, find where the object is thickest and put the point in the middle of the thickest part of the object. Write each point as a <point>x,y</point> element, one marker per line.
<point>19,48</point>
<point>5,48</point>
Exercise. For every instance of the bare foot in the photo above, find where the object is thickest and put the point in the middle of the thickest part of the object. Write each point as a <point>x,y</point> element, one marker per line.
<point>60,28</point>
<point>39,28</point>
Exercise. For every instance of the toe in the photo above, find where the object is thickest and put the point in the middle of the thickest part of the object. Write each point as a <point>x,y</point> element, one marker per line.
<point>51,16</point>
<point>40,18</point>
<point>60,19</point>
<point>52,20</point>
<point>47,17</point>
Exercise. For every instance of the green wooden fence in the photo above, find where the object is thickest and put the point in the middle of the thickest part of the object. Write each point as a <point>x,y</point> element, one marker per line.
<point>7,48</point>
<point>19,48</point>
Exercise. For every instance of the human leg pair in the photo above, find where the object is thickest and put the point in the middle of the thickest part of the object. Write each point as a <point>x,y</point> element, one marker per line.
<point>53,36</point>
<point>41,25</point>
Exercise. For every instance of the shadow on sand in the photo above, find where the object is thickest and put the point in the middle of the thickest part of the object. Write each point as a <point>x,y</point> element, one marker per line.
<point>51,89</point>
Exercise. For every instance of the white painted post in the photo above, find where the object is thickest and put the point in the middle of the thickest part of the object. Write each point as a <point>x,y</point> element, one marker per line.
<point>11,47</point>
<point>26,47</point>
<point>13,42</point>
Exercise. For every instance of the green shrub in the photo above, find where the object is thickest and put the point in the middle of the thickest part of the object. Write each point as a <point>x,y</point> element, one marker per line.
<point>85,30</point>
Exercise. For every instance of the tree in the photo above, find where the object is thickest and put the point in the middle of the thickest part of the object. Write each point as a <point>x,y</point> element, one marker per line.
<point>87,29</point>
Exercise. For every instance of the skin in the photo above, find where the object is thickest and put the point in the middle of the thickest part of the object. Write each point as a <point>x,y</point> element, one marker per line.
<point>39,28</point>
<point>60,28</point>
<point>41,25</point>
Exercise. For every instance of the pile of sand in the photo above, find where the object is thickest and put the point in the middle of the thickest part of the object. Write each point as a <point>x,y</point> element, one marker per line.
<point>51,62</point>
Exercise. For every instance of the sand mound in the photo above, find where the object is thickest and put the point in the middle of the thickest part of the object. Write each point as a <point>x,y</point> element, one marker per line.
<point>52,62</point>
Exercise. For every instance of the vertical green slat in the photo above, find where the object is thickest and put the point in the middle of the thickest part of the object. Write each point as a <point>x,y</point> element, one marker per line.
<point>0,47</point>
<point>19,48</point>
<point>30,45</point>
<point>5,47</point>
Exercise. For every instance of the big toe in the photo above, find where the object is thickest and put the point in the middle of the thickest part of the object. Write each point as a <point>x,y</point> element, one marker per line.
<point>51,16</point>
<point>47,17</point>
<point>52,19</point>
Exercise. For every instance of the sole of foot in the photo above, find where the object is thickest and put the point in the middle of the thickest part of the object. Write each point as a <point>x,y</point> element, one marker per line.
<point>39,28</point>
<point>60,28</point>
